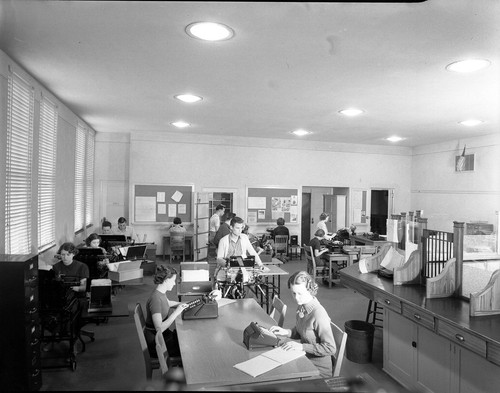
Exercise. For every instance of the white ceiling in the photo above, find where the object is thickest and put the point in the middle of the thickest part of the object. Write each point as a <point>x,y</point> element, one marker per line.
<point>291,65</point>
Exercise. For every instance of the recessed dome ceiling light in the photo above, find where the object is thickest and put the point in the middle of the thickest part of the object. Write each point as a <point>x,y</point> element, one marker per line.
<point>301,132</point>
<point>209,31</point>
<point>471,122</point>
<point>188,98</point>
<point>394,139</point>
<point>468,65</point>
<point>351,112</point>
<point>180,124</point>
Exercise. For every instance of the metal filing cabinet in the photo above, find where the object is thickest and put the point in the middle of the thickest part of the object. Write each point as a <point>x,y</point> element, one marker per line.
<point>20,367</point>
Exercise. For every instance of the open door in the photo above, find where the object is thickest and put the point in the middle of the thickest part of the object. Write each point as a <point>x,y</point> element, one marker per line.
<point>379,210</point>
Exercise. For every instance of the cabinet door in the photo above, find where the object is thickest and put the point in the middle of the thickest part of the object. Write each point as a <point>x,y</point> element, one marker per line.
<point>398,351</point>
<point>476,374</point>
<point>433,362</point>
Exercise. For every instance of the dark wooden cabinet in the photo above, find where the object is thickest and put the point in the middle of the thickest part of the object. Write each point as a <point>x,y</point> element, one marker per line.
<point>20,367</point>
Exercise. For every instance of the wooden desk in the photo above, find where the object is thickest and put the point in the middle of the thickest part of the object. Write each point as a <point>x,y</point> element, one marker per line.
<point>188,240</point>
<point>211,347</point>
<point>273,287</point>
<point>462,351</point>
<point>334,258</point>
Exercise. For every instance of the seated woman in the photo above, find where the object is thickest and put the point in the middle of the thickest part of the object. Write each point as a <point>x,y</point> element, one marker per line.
<point>157,311</point>
<point>177,226</point>
<point>68,267</point>
<point>127,230</point>
<point>312,331</point>
<point>94,241</point>
<point>321,253</point>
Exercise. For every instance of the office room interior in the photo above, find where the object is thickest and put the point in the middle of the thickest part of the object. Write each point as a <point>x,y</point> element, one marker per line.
<point>114,69</point>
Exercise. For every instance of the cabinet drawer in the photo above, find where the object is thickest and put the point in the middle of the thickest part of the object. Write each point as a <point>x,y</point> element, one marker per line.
<point>493,354</point>
<point>389,301</point>
<point>462,337</point>
<point>419,316</point>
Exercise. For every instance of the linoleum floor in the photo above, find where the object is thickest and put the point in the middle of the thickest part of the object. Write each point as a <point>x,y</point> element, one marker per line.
<point>114,360</point>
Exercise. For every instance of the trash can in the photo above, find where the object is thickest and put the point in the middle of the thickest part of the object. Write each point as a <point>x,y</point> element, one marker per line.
<point>359,346</point>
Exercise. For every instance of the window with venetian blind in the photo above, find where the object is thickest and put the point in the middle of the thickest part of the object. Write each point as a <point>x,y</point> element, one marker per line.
<point>47,174</point>
<point>19,149</point>
<point>84,177</point>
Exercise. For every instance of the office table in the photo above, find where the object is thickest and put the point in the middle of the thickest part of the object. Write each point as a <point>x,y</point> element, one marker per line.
<point>211,347</point>
<point>362,240</point>
<point>188,244</point>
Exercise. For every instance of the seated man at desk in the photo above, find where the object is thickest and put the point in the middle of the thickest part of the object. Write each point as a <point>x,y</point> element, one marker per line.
<point>106,227</point>
<point>127,230</point>
<point>235,244</point>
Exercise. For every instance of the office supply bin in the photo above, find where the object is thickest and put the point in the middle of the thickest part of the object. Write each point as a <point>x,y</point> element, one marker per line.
<point>359,346</point>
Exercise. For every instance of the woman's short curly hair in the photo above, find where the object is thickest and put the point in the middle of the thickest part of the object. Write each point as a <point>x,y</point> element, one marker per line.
<point>303,277</point>
<point>162,273</point>
<point>323,216</point>
<point>69,247</point>
<point>280,221</point>
<point>92,236</point>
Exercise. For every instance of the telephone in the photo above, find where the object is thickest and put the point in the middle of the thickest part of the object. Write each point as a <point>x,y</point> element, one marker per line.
<point>256,336</point>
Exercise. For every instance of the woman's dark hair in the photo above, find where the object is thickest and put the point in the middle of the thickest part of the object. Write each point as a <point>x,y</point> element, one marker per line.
<point>162,273</point>
<point>69,247</point>
<point>323,216</point>
<point>280,221</point>
<point>106,223</point>
<point>91,237</point>
<point>319,233</point>
<point>177,221</point>
<point>303,277</point>
<point>121,220</point>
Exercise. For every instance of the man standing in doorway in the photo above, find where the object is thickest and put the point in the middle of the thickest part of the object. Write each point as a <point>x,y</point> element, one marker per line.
<point>215,221</point>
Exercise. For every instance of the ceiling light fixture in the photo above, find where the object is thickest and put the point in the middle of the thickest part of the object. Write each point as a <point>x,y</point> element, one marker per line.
<point>301,132</point>
<point>209,31</point>
<point>189,98</point>
<point>351,112</point>
<point>394,138</point>
<point>470,65</point>
<point>470,122</point>
<point>180,124</point>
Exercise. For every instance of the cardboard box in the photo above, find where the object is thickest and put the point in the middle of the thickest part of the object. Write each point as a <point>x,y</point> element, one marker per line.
<point>194,278</point>
<point>123,271</point>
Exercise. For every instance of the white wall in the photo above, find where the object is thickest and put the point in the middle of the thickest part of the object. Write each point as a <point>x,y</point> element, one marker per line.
<point>445,195</point>
<point>245,162</point>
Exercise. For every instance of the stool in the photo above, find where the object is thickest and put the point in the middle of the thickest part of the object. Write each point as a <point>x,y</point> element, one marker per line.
<point>375,311</point>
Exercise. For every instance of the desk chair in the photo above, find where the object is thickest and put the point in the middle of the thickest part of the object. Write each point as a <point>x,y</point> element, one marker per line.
<point>177,245</point>
<point>278,309</point>
<point>312,268</point>
<point>140,324</point>
<point>294,249</point>
<point>165,360</point>
<point>340,338</point>
<point>281,244</point>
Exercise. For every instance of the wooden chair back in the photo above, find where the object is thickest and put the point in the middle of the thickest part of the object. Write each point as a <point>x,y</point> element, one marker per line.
<point>278,310</point>
<point>162,352</point>
<point>177,245</point>
<point>140,324</point>
<point>340,338</point>
<point>281,244</point>
<point>312,269</point>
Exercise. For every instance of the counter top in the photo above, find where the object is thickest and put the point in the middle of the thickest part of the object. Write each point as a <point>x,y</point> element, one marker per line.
<point>454,311</point>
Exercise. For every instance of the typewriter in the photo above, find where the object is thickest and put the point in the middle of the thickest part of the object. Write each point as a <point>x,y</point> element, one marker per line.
<point>201,308</point>
<point>256,336</point>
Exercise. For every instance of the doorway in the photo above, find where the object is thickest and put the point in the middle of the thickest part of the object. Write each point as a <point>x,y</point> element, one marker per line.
<point>306,219</point>
<point>379,211</point>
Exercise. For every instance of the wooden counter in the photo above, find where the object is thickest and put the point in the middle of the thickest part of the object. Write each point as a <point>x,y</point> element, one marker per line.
<point>362,240</point>
<point>462,353</point>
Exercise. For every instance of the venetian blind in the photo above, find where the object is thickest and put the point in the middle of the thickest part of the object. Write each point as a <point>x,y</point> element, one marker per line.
<point>89,180</point>
<point>80,178</point>
<point>47,175</point>
<point>20,107</point>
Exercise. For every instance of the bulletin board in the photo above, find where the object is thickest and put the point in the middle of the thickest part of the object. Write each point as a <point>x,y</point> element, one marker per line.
<point>161,203</point>
<point>267,204</point>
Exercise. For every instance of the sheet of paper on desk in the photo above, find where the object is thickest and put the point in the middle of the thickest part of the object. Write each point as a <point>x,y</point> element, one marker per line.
<point>362,266</point>
<point>268,361</point>
<point>281,356</point>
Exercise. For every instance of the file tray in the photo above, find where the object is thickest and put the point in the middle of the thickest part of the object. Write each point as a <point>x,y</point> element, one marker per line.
<point>126,270</point>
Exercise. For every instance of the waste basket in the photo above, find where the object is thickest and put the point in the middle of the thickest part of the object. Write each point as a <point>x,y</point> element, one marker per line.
<point>359,346</point>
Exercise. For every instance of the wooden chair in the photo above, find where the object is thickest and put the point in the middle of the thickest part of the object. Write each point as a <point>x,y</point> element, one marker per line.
<point>281,244</point>
<point>165,360</point>
<point>294,249</point>
<point>177,245</point>
<point>340,338</point>
<point>278,308</point>
<point>314,270</point>
<point>140,324</point>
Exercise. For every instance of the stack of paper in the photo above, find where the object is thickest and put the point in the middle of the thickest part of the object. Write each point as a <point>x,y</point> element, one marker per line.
<point>268,361</point>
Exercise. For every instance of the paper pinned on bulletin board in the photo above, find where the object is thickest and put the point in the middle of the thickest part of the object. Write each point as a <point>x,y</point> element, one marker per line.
<point>160,197</point>
<point>181,208</point>
<point>262,214</point>
<point>162,208</point>
<point>172,210</point>
<point>145,208</point>
<point>177,196</point>
<point>252,217</point>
